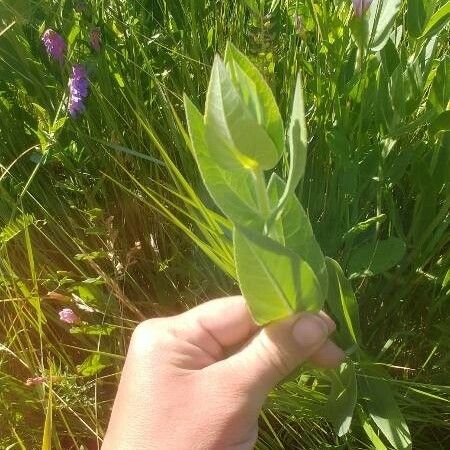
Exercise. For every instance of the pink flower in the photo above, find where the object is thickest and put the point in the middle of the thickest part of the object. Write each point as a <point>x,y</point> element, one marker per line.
<point>96,39</point>
<point>361,6</point>
<point>34,381</point>
<point>68,316</point>
<point>54,45</point>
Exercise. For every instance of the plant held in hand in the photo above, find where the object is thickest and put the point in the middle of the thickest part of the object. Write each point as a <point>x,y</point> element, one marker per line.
<point>280,266</point>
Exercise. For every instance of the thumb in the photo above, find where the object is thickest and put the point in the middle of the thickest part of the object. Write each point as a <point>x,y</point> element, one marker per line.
<point>276,351</point>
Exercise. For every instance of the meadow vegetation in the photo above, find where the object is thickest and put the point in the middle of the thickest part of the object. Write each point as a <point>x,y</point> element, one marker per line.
<point>103,211</point>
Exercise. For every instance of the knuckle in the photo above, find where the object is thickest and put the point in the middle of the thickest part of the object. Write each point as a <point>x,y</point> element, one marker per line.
<point>274,356</point>
<point>148,335</point>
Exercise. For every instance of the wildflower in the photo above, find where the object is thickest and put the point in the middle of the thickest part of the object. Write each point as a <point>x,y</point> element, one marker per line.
<point>96,39</point>
<point>78,86</point>
<point>34,381</point>
<point>54,45</point>
<point>361,6</point>
<point>67,315</point>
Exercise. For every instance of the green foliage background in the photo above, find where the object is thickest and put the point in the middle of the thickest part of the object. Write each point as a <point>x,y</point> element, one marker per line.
<point>107,214</point>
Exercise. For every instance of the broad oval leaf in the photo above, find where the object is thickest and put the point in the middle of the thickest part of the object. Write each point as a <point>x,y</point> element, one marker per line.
<point>376,257</point>
<point>233,191</point>
<point>275,281</point>
<point>257,94</point>
<point>235,138</point>
<point>293,230</point>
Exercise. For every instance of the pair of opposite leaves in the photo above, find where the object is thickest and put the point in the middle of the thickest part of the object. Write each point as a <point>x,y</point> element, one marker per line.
<point>280,266</point>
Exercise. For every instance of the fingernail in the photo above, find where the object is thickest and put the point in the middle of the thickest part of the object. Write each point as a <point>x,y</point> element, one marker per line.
<point>328,321</point>
<point>310,330</point>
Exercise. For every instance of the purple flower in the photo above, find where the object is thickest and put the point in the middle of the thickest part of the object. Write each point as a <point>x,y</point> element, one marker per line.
<point>361,6</point>
<point>68,316</point>
<point>78,87</point>
<point>35,381</point>
<point>54,45</point>
<point>96,39</point>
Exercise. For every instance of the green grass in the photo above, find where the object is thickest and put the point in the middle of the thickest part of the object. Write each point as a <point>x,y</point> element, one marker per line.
<point>75,200</point>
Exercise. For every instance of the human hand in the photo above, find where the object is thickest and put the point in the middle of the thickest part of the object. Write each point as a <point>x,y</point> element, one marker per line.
<point>197,381</point>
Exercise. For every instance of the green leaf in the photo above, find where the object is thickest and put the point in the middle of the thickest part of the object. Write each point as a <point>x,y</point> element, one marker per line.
<point>74,32</point>
<point>93,330</point>
<point>275,281</point>
<point>256,94</point>
<point>376,257</point>
<point>233,191</point>
<point>440,91</point>
<point>298,138</point>
<point>363,226</point>
<point>342,303</point>
<point>91,298</point>
<point>233,135</point>
<point>119,79</point>
<point>342,398</point>
<point>42,116</point>
<point>389,57</point>
<point>370,432</point>
<point>416,17</point>
<point>373,29</point>
<point>293,230</point>
<point>16,226</point>
<point>398,161</point>
<point>129,151</point>
<point>382,14</point>
<point>93,365</point>
<point>58,124</point>
<point>437,21</point>
<point>384,410</point>
<point>441,123</point>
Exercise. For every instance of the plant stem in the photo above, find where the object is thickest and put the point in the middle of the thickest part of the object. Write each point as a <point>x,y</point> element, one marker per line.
<point>261,192</point>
